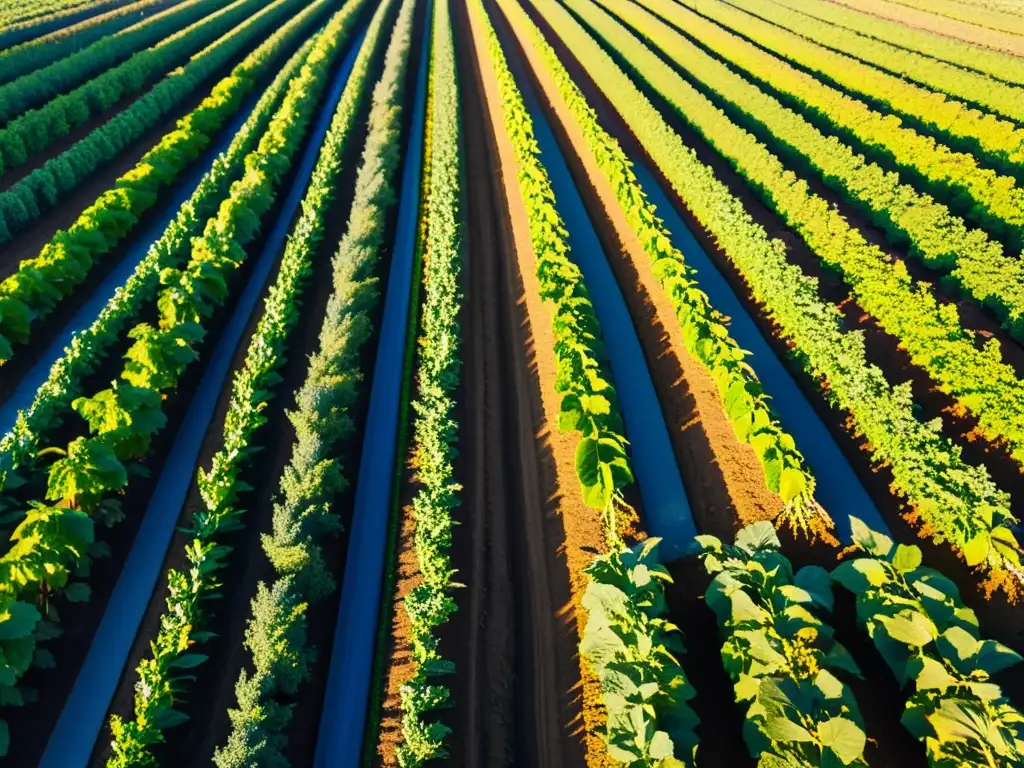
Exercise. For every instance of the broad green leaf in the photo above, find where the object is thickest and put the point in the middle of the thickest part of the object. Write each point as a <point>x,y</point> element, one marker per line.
<point>907,558</point>
<point>910,627</point>
<point>757,536</point>
<point>976,550</point>
<point>783,730</point>
<point>844,737</point>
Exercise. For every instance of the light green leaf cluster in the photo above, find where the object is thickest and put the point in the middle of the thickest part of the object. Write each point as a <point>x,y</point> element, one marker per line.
<point>780,655</point>
<point>633,651</point>
<point>933,645</point>
<point>999,141</point>
<point>929,230</point>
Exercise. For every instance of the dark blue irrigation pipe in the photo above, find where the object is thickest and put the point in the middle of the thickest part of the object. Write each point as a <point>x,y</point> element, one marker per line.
<point>72,740</point>
<point>839,490</point>
<point>22,397</point>
<point>343,717</point>
<point>666,509</point>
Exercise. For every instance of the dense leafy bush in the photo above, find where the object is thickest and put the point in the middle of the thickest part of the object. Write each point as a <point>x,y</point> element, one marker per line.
<point>304,518</point>
<point>780,654</point>
<point>933,645</point>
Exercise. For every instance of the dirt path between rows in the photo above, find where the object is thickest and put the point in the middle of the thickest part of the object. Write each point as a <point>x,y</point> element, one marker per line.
<point>517,548</point>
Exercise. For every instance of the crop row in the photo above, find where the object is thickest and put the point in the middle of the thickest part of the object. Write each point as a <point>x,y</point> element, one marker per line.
<point>23,21</point>
<point>53,275</point>
<point>305,518</point>
<point>959,503</point>
<point>34,194</point>
<point>705,330</point>
<point>780,654</point>
<point>983,384</point>
<point>920,626</point>
<point>65,76</point>
<point>1001,142</point>
<point>994,63</point>
<point>431,602</point>
<point>992,200</point>
<point>972,14</point>
<point>940,239</point>
<point>29,133</point>
<point>182,626</point>
<point>53,541</point>
<point>89,347</point>
<point>625,640</point>
<point>912,17</point>
<point>40,52</point>
<point>994,95</point>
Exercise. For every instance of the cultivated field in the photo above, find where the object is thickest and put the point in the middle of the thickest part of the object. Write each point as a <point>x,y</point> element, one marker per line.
<point>505,383</point>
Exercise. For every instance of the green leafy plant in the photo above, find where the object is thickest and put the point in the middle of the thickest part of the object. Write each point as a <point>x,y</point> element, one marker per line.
<point>933,645</point>
<point>705,330</point>
<point>435,445</point>
<point>304,515</point>
<point>780,655</point>
<point>652,726</point>
<point>955,502</point>
<point>633,651</point>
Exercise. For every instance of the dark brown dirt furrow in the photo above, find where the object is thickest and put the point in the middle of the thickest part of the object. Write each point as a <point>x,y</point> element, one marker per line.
<point>514,651</point>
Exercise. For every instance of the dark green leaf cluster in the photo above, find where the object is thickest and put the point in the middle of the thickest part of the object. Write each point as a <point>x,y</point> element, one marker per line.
<point>431,603</point>
<point>21,20</point>
<point>160,684</point>
<point>48,278</point>
<point>304,518</point>
<point>633,651</point>
<point>32,195</point>
<point>705,330</point>
<point>780,655</point>
<point>959,503</point>
<point>35,80</point>
<point>933,645</point>
<point>87,348</point>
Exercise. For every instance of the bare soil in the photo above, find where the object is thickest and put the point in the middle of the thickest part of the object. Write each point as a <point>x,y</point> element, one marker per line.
<point>525,535</point>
